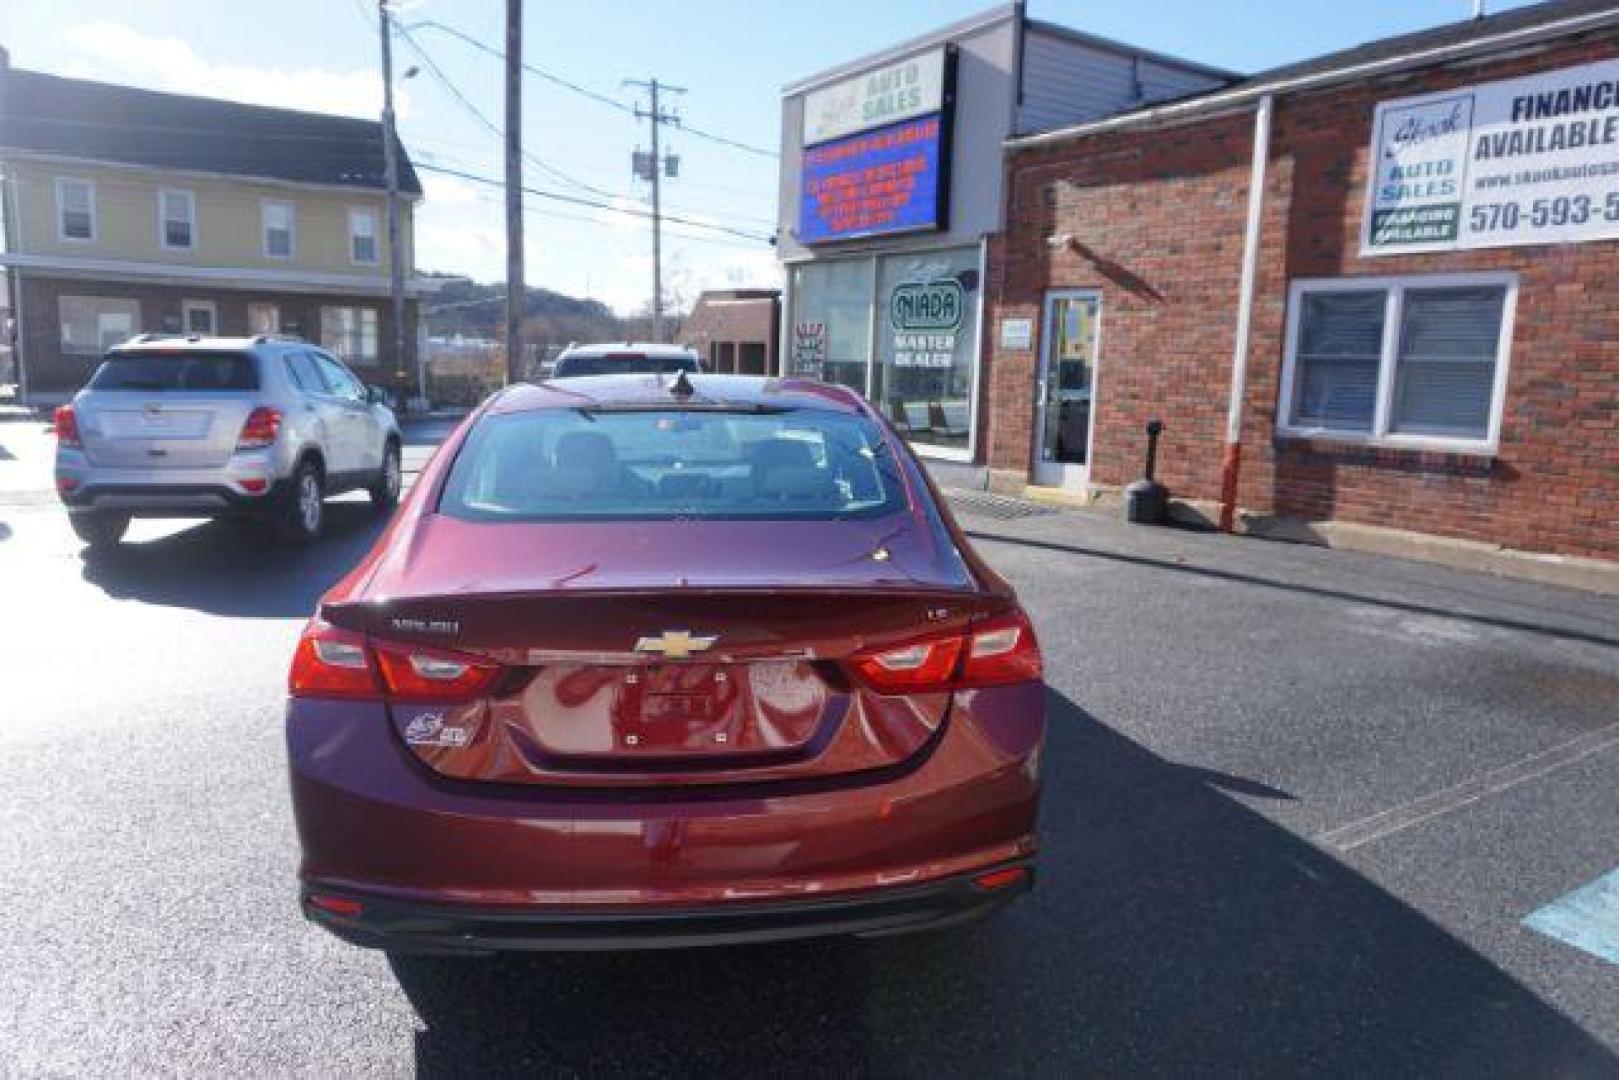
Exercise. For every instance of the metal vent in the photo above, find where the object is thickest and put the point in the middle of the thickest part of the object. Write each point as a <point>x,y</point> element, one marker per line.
<point>988,504</point>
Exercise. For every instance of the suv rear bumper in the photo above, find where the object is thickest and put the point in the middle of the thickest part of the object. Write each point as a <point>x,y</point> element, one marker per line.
<point>406,927</point>
<point>176,500</point>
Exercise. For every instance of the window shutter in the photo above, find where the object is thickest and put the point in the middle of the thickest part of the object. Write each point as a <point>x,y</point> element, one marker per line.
<point>1445,376</point>
<point>1340,343</point>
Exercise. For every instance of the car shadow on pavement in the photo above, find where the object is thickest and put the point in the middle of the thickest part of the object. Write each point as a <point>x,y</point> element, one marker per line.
<point>1173,930</point>
<point>234,567</point>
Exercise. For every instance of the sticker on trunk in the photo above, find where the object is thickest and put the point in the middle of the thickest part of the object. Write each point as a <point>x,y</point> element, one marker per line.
<point>429,729</point>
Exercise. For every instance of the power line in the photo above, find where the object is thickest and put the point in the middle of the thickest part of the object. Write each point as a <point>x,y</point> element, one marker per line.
<point>593,95</point>
<point>466,104</point>
<point>581,201</point>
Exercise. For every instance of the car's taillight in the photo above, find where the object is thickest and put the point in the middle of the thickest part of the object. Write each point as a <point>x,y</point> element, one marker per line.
<point>995,652</point>
<point>260,429</point>
<point>332,662</point>
<point>415,674</point>
<point>1001,650</point>
<point>912,668</point>
<point>67,426</point>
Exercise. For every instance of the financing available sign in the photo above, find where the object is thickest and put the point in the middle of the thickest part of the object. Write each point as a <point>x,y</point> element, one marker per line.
<point>1523,161</point>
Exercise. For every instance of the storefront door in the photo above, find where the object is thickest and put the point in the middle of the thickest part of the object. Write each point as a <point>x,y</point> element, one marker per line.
<point>1068,352</point>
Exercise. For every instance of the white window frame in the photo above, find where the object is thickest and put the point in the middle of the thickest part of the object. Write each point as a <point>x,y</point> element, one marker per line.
<point>292,228</point>
<point>188,306</point>
<point>1393,313</point>
<point>356,212</point>
<point>275,309</point>
<point>61,209</point>
<point>190,198</point>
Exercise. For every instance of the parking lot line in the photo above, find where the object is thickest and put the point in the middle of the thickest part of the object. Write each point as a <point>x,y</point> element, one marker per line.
<point>1587,918</point>
<point>1446,800</point>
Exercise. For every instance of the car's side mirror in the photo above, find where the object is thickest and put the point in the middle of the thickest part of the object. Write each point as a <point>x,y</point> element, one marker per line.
<point>376,395</point>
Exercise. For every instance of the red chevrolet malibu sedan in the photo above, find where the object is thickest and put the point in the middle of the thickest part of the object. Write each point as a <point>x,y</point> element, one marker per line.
<point>646,661</point>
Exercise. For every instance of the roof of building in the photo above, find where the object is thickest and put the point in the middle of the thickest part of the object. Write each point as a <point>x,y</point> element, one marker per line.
<point>709,296</point>
<point>1505,29</point>
<point>104,122</point>
<point>973,24</point>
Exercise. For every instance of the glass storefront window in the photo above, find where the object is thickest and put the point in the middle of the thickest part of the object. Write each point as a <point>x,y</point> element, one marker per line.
<point>926,342</point>
<point>831,333</point>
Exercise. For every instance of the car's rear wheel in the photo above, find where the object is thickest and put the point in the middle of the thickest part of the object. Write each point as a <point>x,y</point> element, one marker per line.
<point>385,492</point>
<point>100,529</point>
<point>304,511</point>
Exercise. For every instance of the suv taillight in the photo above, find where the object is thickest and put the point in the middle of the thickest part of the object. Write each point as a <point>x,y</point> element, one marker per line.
<point>67,426</point>
<point>333,662</point>
<point>994,652</point>
<point>260,429</point>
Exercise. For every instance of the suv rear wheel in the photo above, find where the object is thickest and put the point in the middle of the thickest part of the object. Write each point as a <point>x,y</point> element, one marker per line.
<point>100,529</point>
<point>385,492</point>
<point>304,511</point>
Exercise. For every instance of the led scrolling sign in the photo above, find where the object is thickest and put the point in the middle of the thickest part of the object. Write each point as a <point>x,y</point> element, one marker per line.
<point>876,156</point>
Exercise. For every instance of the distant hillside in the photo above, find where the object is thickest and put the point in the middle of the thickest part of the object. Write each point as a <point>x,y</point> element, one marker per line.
<point>465,307</point>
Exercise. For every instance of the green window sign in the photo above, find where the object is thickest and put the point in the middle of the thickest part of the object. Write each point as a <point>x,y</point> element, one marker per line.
<point>926,305</point>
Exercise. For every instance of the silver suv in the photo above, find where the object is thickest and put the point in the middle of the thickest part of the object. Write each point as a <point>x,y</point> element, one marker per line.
<point>260,427</point>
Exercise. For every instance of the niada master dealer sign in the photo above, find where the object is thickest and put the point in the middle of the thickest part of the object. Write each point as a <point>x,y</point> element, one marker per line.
<point>1524,161</point>
<point>925,316</point>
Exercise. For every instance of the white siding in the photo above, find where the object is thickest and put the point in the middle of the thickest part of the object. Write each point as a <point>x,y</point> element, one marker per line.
<point>1067,82</point>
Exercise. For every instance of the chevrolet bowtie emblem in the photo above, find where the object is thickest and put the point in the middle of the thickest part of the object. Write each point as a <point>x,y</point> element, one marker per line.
<point>675,644</point>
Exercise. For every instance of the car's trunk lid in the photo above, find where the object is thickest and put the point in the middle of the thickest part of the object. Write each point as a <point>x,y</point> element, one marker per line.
<point>627,665</point>
<point>129,430</point>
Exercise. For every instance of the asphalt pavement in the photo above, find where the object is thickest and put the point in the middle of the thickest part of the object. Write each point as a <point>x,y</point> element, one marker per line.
<point>1299,803</point>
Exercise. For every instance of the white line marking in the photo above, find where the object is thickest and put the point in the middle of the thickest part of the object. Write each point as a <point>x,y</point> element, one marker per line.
<point>1446,800</point>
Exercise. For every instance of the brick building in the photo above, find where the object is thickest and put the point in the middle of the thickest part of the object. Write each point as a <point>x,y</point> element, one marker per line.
<point>735,331</point>
<point>1436,355</point>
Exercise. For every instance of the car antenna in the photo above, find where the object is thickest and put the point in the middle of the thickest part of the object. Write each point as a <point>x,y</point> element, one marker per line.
<point>682,387</point>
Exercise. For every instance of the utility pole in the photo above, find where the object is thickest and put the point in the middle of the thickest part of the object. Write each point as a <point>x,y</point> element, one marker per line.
<point>390,159</point>
<point>655,164</point>
<point>514,191</point>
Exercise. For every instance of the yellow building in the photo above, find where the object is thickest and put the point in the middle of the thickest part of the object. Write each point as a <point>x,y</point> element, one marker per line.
<point>130,211</point>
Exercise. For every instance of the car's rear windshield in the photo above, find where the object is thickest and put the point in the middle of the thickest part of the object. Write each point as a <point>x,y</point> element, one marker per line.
<point>188,371</point>
<point>659,464</point>
<point>621,363</point>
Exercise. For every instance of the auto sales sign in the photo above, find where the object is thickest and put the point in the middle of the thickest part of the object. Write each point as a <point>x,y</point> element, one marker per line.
<point>1523,161</point>
<point>876,151</point>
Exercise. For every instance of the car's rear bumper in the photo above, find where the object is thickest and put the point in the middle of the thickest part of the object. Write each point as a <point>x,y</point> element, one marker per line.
<point>173,500</point>
<point>378,826</point>
<point>411,927</point>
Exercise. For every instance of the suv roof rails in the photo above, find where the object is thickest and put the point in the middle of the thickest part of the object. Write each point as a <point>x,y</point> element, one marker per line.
<point>261,339</point>
<point>158,335</point>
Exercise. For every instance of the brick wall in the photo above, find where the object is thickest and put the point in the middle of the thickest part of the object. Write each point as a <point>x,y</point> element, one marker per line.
<point>1159,217</point>
<point>736,321</point>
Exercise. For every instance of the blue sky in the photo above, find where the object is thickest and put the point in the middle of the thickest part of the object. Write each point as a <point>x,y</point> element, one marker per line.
<point>731,55</point>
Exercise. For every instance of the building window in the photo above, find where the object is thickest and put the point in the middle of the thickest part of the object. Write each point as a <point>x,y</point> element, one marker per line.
<point>278,227</point>
<point>177,220</point>
<point>199,316</point>
<point>93,324</point>
<point>363,236</point>
<point>831,335</point>
<point>263,318</point>
<point>75,209</point>
<point>1415,361</point>
<point>927,312</point>
<point>350,332</point>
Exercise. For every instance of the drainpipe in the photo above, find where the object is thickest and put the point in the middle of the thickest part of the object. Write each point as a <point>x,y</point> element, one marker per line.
<point>1231,460</point>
